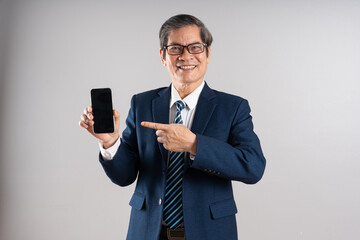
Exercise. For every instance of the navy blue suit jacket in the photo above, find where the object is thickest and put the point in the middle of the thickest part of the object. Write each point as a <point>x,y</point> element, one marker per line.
<point>227,149</point>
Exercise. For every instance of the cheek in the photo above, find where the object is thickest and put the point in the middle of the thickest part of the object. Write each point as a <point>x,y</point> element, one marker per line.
<point>204,61</point>
<point>171,63</point>
<point>171,68</point>
<point>174,67</point>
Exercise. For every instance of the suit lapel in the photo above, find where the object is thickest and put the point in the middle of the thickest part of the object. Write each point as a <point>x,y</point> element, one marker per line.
<point>204,110</point>
<point>160,110</point>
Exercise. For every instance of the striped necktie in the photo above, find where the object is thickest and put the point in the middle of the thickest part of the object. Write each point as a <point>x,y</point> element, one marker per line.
<point>173,210</point>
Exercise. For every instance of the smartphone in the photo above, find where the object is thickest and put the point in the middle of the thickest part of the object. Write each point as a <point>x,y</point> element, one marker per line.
<point>101,102</point>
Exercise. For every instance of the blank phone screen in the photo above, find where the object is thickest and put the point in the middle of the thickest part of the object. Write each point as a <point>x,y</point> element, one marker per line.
<point>101,102</point>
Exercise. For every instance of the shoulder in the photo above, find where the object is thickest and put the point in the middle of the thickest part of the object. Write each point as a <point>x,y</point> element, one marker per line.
<point>228,99</point>
<point>150,94</point>
<point>229,104</point>
<point>233,107</point>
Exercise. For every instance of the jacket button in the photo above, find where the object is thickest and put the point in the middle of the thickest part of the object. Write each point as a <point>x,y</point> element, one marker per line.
<point>160,201</point>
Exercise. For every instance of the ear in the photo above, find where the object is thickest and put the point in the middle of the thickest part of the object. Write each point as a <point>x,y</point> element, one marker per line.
<point>209,55</point>
<point>163,60</point>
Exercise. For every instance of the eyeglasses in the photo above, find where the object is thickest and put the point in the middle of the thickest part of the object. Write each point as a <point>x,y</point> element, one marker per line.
<point>193,48</point>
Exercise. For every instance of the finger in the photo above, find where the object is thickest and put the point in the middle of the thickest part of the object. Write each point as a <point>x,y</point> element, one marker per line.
<point>84,118</point>
<point>86,113</point>
<point>161,140</point>
<point>156,126</point>
<point>160,133</point>
<point>90,123</point>
<point>83,124</point>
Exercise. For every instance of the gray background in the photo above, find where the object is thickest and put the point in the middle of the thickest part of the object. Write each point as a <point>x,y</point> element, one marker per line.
<point>297,62</point>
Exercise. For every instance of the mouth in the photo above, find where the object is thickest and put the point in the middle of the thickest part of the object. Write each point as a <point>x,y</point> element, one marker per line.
<point>186,67</point>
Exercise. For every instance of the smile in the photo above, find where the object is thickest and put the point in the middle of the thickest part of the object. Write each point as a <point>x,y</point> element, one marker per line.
<point>186,67</point>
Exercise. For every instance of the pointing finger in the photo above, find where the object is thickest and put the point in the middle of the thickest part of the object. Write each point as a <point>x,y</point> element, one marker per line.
<point>157,126</point>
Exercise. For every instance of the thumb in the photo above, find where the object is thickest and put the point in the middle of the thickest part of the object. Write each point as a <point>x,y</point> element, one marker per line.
<point>117,120</point>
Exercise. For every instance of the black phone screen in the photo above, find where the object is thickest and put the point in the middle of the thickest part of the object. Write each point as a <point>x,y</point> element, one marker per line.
<point>101,102</point>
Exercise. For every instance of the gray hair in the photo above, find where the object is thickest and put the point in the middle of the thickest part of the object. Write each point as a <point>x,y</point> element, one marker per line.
<point>183,20</point>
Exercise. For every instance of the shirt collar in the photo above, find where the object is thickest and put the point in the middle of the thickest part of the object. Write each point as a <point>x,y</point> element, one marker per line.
<point>190,100</point>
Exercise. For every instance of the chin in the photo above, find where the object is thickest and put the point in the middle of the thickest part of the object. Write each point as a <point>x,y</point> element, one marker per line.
<point>187,81</point>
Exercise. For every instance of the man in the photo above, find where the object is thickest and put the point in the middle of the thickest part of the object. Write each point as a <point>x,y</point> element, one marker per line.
<point>184,144</point>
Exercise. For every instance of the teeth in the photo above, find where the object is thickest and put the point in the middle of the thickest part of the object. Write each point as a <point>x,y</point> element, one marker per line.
<point>187,67</point>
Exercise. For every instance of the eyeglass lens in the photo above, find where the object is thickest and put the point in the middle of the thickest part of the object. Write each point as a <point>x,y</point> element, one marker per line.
<point>194,48</point>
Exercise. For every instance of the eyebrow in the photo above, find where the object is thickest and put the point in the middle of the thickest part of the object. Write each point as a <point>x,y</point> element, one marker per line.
<point>175,43</point>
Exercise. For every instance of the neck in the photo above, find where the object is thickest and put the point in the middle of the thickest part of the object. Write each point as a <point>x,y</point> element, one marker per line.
<point>184,89</point>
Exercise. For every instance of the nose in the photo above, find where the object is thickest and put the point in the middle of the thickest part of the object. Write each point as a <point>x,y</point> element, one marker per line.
<point>185,55</point>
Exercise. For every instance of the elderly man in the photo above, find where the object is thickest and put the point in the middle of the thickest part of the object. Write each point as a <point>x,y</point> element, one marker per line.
<point>184,144</point>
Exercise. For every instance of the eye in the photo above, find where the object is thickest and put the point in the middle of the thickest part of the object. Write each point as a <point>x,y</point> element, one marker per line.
<point>174,48</point>
<point>195,46</point>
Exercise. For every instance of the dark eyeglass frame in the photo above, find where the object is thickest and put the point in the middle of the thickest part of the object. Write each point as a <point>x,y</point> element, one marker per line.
<point>185,46</point>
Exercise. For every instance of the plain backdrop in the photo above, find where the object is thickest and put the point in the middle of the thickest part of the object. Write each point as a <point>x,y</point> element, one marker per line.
<point>297,62</point>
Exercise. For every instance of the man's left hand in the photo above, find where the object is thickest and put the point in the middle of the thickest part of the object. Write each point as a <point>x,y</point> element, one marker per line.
<point>174,137</point>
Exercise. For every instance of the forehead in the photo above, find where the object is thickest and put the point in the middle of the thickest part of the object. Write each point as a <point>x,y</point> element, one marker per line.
<point>185,35</point>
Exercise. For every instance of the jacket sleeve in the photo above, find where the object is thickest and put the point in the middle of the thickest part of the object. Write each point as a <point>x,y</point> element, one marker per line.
<point>240,158</point>
<point>123,168</point>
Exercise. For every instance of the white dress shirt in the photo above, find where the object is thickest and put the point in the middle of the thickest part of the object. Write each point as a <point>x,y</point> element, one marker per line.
<point>187,115</point>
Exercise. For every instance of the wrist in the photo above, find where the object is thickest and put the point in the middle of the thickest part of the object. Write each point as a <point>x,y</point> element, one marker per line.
<point>110,143</point>
<point>193,146</point>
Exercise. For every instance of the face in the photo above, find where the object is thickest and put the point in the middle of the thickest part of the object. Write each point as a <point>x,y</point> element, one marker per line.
<point>186,69</point>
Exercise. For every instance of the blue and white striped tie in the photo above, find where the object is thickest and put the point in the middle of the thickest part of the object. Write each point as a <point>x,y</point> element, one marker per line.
<point>173,208</point>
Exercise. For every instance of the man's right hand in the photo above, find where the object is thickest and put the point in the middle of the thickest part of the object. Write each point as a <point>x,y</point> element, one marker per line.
<point>106,139</point>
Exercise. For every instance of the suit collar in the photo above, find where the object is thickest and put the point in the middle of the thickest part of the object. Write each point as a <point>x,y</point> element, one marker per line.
<point>204,108</point>
<point>190,100</point>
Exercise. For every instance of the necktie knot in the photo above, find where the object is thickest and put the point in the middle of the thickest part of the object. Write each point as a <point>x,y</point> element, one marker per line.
<point>180,105</point>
